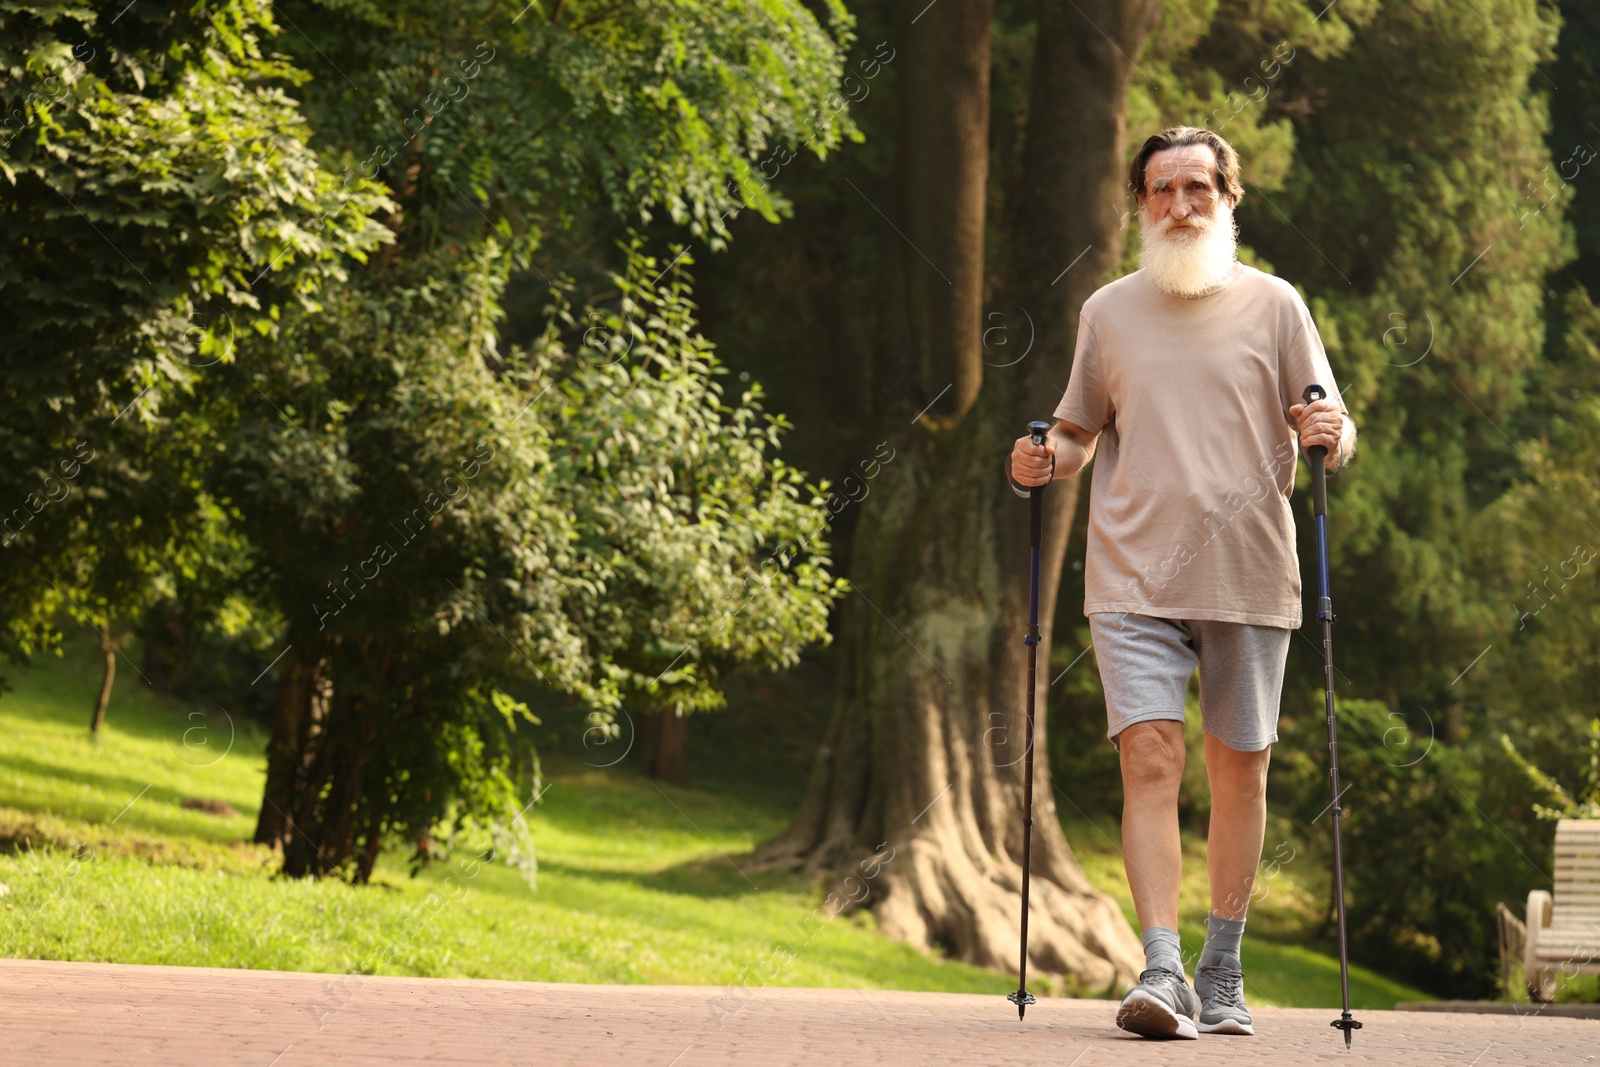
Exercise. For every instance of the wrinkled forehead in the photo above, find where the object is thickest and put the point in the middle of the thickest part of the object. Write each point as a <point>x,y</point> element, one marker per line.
<point>1186,162</point>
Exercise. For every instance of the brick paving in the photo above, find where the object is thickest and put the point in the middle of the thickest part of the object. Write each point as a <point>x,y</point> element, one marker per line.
<point>93,1013</point>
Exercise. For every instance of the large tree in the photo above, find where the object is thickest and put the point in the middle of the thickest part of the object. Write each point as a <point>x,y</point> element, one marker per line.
<point>616,542</point>
<point>923,750</point>
<point>607,528</point>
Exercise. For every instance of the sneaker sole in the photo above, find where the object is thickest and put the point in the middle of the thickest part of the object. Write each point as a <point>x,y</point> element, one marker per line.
<point>1147,1016</point>
<point>1227,1026</point>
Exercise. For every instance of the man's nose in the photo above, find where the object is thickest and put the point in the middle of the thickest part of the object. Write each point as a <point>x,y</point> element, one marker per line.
<point>1180,208</point>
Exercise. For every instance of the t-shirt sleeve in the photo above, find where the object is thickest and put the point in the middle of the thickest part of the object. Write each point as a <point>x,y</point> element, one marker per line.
<point>1087,401</point>
<point>1303,361</point>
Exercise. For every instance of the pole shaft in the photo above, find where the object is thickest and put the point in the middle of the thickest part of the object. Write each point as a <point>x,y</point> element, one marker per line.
<point>1333,785</point>
<point>1033,687</point>
<point>1318,457</point>
<point>1038,431</point>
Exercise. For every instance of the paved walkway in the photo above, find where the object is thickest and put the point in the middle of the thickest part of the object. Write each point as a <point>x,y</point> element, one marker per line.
<point>90,1013</point>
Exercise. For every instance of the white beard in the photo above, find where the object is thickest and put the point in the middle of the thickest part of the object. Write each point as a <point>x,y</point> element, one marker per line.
<point>1188,264</point>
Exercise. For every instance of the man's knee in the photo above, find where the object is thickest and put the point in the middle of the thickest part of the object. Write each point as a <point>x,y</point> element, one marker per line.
<point>1241,774</point>
<point>1152,755</point>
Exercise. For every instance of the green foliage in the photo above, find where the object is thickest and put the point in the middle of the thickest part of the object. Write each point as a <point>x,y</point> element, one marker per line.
<point>1586,805</point>
<point>170,141</point>
<point>1424,863</point>
<point>1538,543</point>
<point>154,169</point>
<point>702,540</point>
<point>639,109</point>
<point>1411,229</point>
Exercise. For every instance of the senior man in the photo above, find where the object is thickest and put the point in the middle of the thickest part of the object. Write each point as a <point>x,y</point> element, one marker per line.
<point>1191,371</point>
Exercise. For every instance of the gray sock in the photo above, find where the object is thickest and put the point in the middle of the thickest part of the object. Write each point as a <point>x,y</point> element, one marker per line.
<point>1161,949</point>
<point>1222,942</point>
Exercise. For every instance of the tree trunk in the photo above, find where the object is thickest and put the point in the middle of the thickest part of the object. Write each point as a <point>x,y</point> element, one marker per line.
<point>165,647</point>
<point>925,749</point>
<point>327,793</point>
<point>336,816</point>
<point>369,851</point>
<point>941,144</point>
<point>663,746</point>
<point>301,700</point>
<point>110,653</point>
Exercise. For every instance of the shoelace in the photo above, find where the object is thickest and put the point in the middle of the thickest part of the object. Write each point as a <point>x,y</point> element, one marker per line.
<point>1160,976</point>
<point>1226,986</point>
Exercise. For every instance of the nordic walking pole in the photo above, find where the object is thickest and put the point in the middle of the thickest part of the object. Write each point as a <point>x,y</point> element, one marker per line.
<point>1318,455</point>
<point>1037,430</point>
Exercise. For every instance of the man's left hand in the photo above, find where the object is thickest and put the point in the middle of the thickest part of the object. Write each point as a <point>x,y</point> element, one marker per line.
<point>1321,423</point>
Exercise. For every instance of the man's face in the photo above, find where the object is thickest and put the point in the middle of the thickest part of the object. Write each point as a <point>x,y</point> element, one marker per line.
<point>1181,185</point>
<point>1187,241</point>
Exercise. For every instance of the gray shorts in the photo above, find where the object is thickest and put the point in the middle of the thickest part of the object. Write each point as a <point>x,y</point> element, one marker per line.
<point>1146,663</point>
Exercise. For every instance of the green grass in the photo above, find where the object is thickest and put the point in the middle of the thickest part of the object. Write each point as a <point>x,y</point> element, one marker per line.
<point>632,885</point>
<point>636,882</point>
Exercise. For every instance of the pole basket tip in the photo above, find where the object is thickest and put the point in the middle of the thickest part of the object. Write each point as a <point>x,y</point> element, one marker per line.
<point>1346,1023</point>
<point>1022,998</point>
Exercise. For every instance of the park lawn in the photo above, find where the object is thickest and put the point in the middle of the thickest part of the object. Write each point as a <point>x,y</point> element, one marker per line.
<point>636,881</point>
<point>633,885</point>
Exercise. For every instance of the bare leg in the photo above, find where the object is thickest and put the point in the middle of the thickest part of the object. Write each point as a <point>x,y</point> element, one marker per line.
<point>1152,756</point>
<point>1238,824</point>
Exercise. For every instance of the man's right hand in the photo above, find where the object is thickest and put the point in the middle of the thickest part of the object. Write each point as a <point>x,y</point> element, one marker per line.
<point>1032,464</point>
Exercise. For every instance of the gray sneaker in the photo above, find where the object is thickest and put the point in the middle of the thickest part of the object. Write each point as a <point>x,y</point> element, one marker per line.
<point>1221,992</point>
<point>1161,1005</point>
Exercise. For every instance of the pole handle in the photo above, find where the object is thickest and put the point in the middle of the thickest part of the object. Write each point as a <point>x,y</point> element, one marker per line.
<point>1036,430</point>
<point>1317,457</point>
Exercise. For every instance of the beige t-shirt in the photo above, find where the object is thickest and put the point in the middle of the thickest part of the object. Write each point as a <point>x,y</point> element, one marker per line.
<point>1189,510</point>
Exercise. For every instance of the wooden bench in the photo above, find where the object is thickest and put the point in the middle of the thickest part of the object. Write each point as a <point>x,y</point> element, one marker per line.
<point>1563,936</point>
